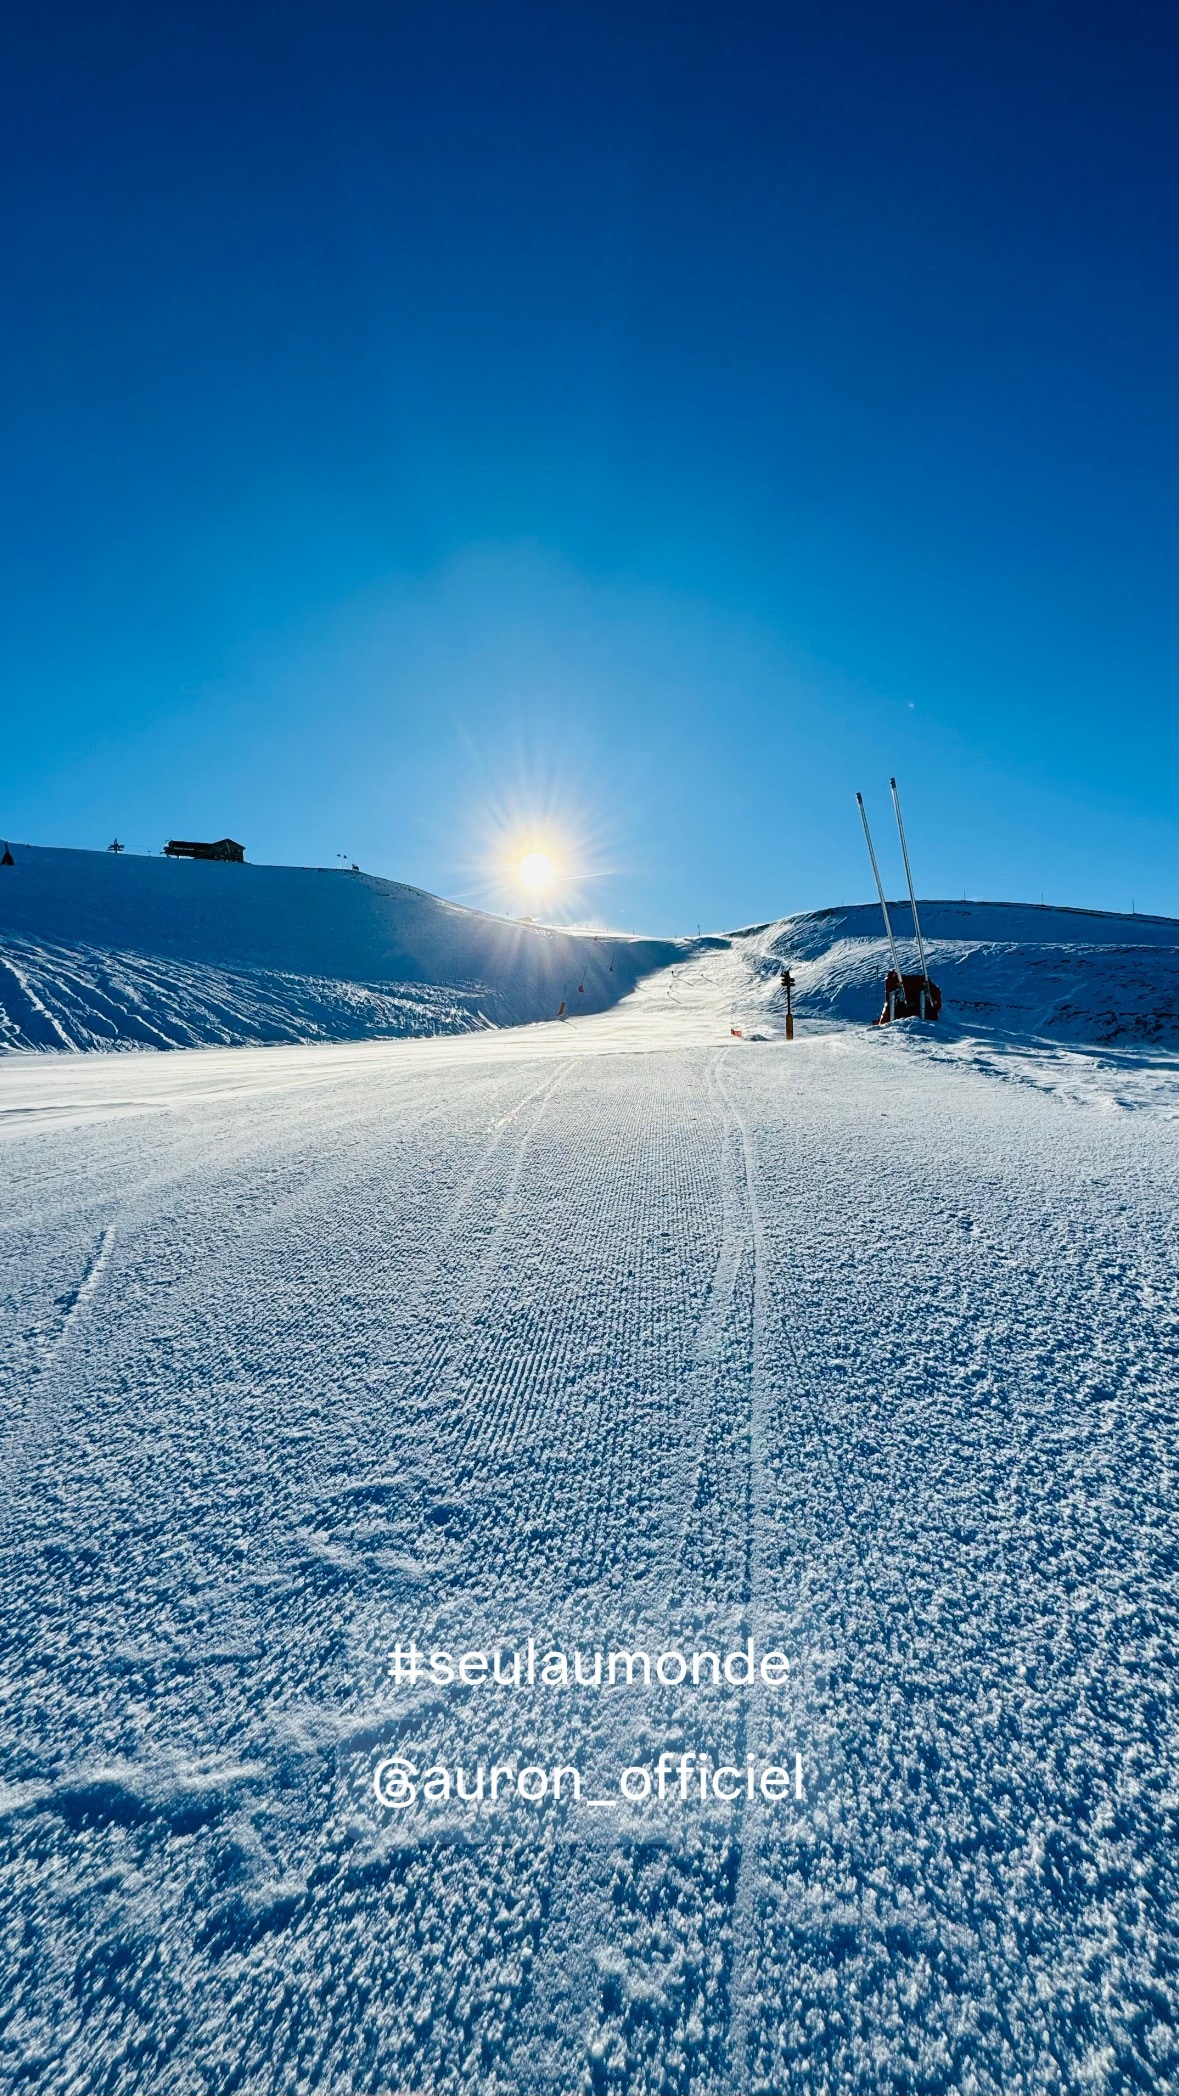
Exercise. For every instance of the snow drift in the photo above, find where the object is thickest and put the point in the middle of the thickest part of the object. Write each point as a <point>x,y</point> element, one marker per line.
<point>99,950</point>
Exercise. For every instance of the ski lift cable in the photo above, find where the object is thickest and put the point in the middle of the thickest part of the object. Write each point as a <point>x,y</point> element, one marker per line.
<point>896,801</point>
<point>892,944</point>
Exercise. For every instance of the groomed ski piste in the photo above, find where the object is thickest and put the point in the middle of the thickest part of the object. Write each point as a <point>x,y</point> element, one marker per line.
<point>645,1333</point>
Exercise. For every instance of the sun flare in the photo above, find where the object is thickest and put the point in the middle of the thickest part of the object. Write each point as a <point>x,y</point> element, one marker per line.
<point>538,853</point>
<point>535,869</point>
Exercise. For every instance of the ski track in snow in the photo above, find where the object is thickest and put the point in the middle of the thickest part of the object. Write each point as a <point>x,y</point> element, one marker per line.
<point>866,1346</point>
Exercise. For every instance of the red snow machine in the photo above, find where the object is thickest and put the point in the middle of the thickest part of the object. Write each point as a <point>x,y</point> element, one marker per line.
<point>905,996</point>
<point>909,997</point>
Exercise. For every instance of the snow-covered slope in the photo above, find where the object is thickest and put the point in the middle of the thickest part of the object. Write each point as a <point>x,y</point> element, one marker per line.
<point>849,1347</point>
<point>98,951</point>
<point>1068,975</point>
<point>106,951</point>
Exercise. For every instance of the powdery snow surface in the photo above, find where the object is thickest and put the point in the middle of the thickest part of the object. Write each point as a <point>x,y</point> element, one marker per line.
<point>620,1334</point>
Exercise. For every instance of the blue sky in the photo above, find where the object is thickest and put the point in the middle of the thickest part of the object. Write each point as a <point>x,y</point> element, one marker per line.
<point>634,425</point>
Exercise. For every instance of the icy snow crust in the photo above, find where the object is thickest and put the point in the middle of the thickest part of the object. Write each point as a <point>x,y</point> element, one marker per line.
<point>630,1333</point>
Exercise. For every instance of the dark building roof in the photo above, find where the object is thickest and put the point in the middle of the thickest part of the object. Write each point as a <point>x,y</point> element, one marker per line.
<point>224,848</point>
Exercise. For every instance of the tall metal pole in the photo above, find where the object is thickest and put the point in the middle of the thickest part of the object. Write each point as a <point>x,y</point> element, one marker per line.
<point>896,801</point>
<point>892,944</point>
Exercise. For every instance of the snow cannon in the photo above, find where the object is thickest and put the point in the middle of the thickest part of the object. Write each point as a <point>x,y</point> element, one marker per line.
<point>905,996</point>
<point>909,997</point>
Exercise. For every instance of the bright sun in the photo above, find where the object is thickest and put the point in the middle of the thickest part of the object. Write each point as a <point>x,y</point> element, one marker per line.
<point>535,869</point>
